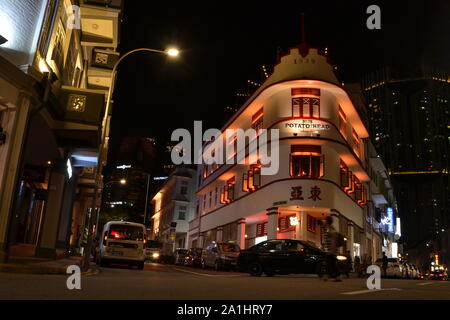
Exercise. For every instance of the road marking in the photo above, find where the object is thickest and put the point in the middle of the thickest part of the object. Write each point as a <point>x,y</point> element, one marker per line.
<point>207,274</point>
<point>425,284</point>
<point>369,291</point>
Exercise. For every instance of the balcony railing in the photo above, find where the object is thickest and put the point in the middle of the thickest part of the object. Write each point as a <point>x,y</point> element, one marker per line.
<point>117,4</point>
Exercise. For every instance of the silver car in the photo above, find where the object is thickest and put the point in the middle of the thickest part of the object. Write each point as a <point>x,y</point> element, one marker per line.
<point>220,255</point>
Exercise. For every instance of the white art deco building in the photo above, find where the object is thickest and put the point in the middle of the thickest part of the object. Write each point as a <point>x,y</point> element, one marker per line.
<point>323,164</point>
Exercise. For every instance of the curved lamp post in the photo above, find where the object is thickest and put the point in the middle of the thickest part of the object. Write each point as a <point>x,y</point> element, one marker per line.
<point>171,52</point>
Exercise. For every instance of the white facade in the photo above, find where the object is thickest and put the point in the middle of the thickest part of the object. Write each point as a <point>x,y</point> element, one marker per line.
<point>322,167</point>
<point>175,203</point>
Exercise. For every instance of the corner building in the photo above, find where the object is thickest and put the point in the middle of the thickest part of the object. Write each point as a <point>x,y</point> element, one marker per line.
<point>322,169</point>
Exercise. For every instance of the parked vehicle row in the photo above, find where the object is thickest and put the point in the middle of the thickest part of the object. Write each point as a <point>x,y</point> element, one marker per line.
<point>269,257</point>
<point>400,269</point>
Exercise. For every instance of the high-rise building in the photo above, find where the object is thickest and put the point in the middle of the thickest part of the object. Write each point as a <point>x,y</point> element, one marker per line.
<point>409,114</point>
<point>130,181</point>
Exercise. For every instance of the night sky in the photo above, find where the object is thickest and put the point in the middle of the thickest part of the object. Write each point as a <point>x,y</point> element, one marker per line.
<point>225,45</point>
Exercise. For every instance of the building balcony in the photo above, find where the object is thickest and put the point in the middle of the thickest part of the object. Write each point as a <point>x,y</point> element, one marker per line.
<point>100,23</point>
<point>76,116</point>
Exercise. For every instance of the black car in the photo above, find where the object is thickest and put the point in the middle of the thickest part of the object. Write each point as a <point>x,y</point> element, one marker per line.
<point>285,257</point>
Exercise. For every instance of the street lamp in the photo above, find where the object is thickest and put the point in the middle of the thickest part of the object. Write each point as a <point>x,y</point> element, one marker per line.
<point>172,53</point>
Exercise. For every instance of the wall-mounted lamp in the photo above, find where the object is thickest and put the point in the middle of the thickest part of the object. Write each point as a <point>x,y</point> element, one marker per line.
<point>2,40</point>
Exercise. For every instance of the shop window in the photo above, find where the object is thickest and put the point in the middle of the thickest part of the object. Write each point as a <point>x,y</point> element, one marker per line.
<point>311,224</point>
<point>307,162</point>
<point>257,121</point>
<point>286,223</point>
<point>261,229</point>
<point>361,194</point>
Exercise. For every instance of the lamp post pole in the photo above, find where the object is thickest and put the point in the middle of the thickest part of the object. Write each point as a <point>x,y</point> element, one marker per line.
<point>102,152</point>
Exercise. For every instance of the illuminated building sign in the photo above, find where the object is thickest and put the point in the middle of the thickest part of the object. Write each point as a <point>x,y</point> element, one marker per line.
<point>160,178</point>
<point>388,220</point>
<point>69,169</point>
<point>307,125</point>
<point>123,167</point>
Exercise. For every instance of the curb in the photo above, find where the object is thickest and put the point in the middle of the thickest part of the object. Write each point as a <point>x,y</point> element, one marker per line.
<point>91,272</point>
<point>32,269</point>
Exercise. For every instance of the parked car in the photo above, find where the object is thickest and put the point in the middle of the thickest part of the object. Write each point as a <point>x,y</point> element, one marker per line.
<point>284,257</point>
<point>409,271</point>
<point>193,257</point>
<point>395,268</point>
<point>220,255</point>
<point>179,256</point>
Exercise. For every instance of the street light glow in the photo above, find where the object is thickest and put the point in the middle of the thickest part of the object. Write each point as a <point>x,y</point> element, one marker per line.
<point>173,52</point>
<point>123,181</point>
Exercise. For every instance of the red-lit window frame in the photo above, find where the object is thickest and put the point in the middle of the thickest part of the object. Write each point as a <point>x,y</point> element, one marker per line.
<point>251,180</point>
<point>307,151</point>
<point>342,122</point>
<point>258,121</point>
<point>345,175</point>
<point>309,104</point>
<point>356,141</point>
<point>229,191</point>
<point>305,91</point>
<point>363,201</point>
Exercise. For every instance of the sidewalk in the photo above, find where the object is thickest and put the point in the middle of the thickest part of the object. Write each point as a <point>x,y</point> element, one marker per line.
<point>41,266</point>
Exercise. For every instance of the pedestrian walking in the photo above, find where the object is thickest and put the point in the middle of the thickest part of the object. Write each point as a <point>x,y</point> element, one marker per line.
<point>331,247</point>
<point>357,266</point>
<point>384,261</point>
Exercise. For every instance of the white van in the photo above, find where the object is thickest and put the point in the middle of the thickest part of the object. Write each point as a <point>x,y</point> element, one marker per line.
<point>122,243</point>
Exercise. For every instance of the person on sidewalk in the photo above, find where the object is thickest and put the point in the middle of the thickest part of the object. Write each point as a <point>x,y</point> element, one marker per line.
<point>331,247</point>
<point>384,261</point>
<point>357,266</point>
